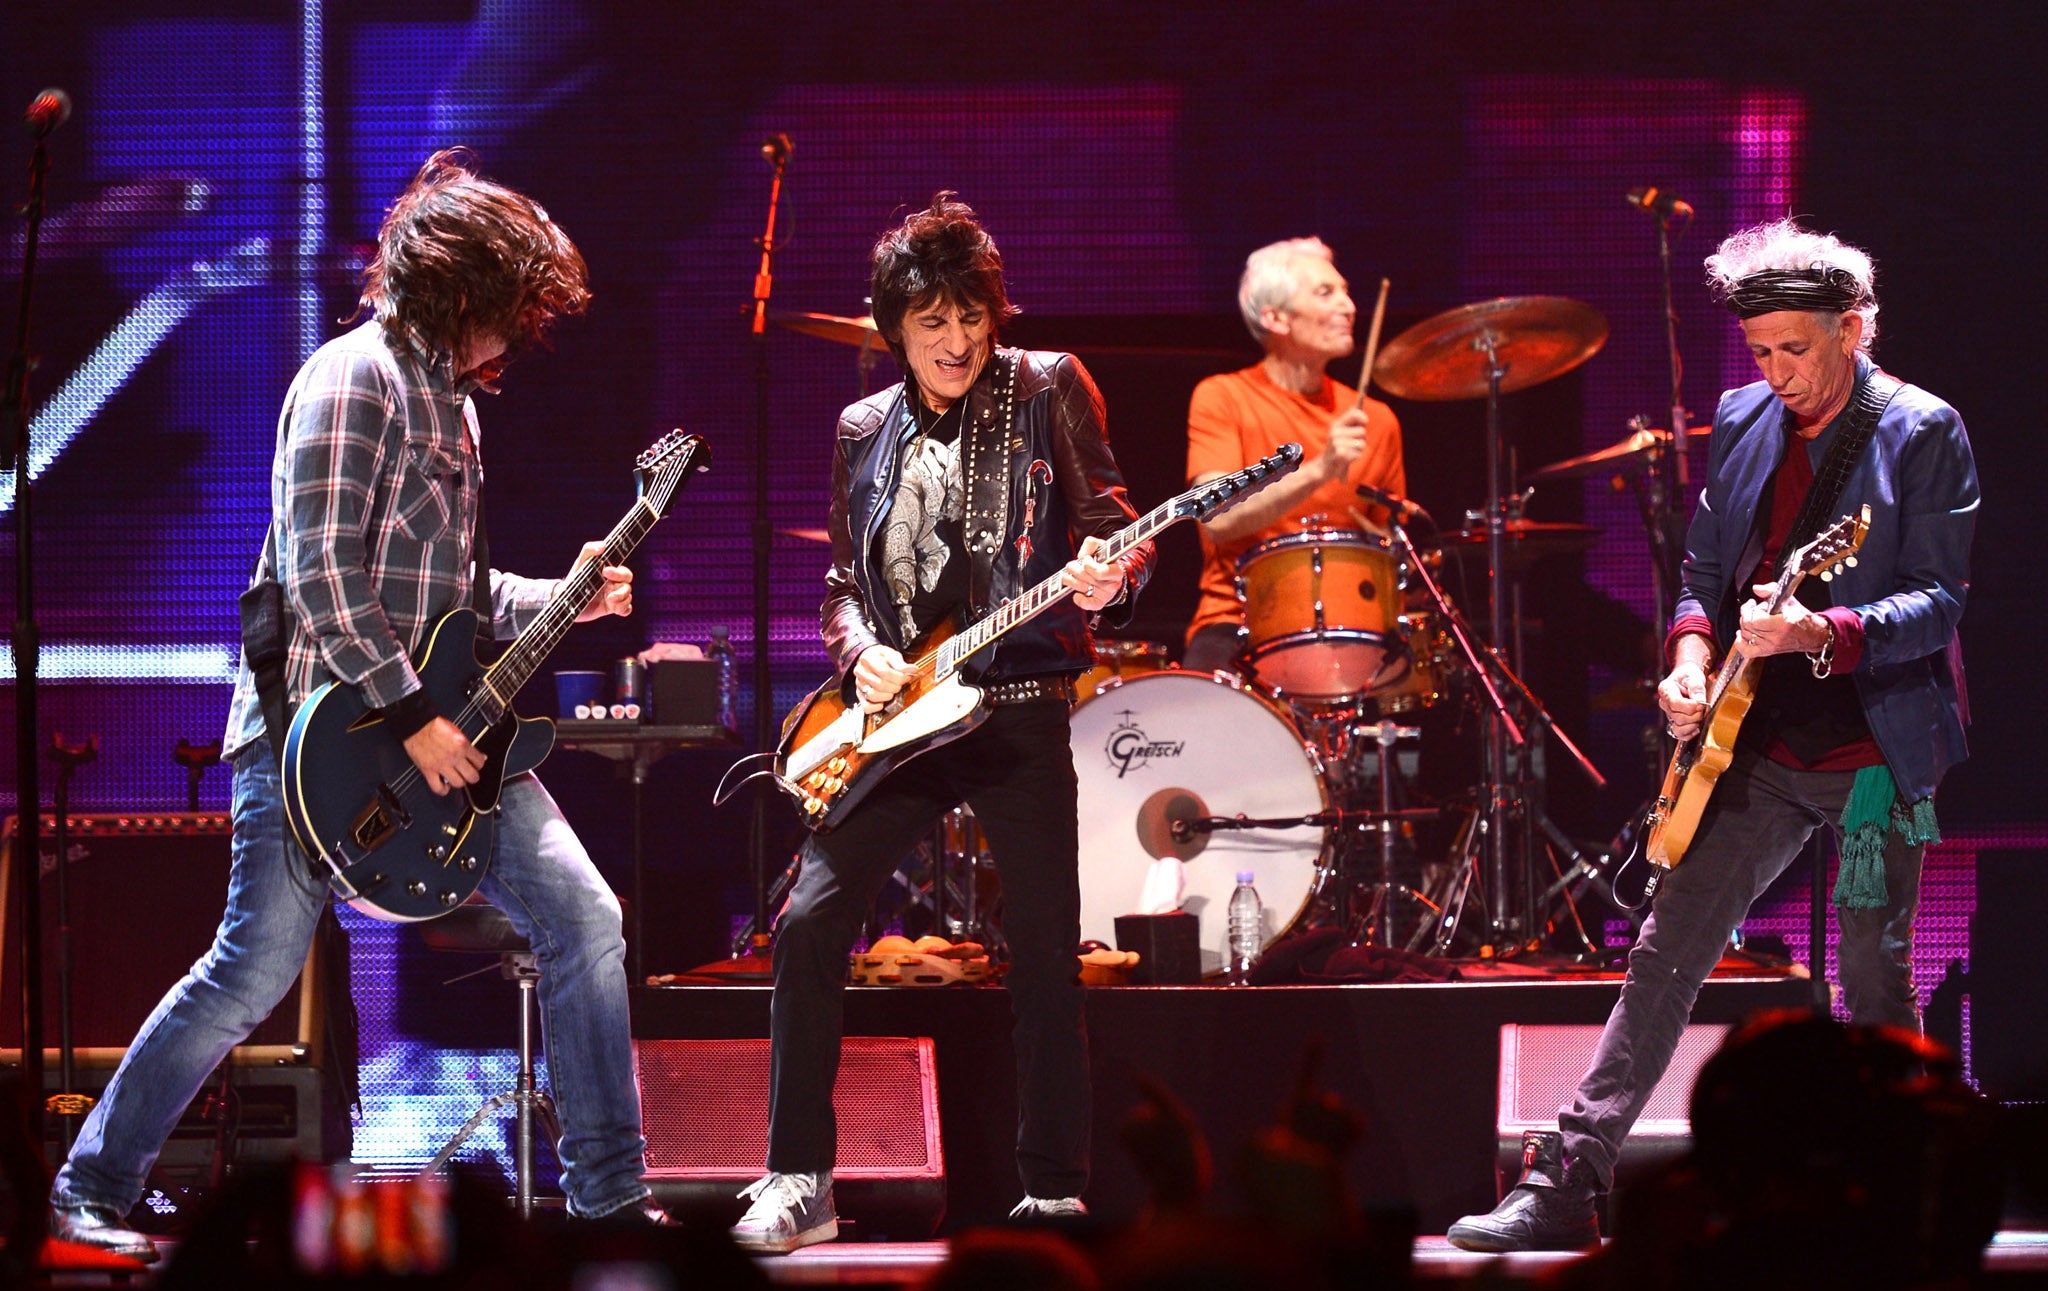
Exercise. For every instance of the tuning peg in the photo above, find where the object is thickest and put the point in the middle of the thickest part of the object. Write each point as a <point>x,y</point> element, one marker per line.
<point>1850,562</point>
<point>1827,576</point>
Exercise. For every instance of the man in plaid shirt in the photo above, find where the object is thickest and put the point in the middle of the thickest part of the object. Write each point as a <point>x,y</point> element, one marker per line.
<point>375,490</point>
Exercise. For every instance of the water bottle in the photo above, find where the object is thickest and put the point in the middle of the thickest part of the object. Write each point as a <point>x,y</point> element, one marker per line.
<point>719,651</point>
<point>1246,917</point>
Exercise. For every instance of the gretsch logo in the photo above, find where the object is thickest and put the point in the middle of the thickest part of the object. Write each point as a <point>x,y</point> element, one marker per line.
<point>1130,750</point>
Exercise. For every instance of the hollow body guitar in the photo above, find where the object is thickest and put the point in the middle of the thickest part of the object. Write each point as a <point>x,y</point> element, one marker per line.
<point>390,846</point>
<point>1697,763</point>
<point>832,753</point>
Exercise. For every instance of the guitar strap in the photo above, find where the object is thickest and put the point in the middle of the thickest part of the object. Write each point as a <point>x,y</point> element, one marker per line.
<point>266,632</point>
<point>480,584</point>
<point>1841,458</point>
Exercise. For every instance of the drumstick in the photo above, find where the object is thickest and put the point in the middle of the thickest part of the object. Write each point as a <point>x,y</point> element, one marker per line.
<point>1372,346</point>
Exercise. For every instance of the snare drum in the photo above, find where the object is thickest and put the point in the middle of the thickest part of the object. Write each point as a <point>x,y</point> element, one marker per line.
<point>1167,746</point>
<point>1323,609</point>
<point>1120,659</point>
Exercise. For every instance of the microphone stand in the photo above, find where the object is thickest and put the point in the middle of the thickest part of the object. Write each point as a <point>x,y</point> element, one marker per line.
<point>28,796</point>
<point>776,150</point>
<point>69,1105</point>
<point>1669,475</point>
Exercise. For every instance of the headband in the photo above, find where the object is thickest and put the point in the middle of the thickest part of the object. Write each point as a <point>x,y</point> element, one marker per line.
<point>1822,289</point>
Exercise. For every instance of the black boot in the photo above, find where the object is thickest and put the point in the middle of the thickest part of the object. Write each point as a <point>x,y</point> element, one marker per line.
<point>1550,1208</point>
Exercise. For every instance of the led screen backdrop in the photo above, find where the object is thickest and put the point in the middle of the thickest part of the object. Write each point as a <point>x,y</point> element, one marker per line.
<point>211,201</point>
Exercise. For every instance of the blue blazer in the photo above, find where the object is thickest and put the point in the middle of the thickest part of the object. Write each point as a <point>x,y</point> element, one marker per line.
<point>1909,582</point>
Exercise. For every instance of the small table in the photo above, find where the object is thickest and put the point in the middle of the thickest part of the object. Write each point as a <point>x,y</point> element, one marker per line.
<point>636,746</point>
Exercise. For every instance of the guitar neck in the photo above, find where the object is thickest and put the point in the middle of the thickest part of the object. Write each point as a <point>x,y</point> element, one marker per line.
<point>955,650</point>
<point>503,679</point>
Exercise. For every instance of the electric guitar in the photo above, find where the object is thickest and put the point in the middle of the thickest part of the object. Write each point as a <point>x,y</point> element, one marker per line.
<point>392,847</point>
<point>1673,819</point>
<point>832,753</point>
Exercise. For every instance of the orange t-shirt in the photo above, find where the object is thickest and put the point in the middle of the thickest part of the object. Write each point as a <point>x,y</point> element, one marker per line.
<point>1236,418</point>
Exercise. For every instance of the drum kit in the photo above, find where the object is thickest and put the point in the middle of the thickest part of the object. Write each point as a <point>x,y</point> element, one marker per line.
<point>1298,766</point>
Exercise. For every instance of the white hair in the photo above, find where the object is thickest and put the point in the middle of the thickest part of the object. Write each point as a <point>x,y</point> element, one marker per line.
<point>1784,244</point>
<point>1269,280</point>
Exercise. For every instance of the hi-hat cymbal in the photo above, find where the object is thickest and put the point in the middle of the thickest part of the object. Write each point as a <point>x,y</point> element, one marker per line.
<point>831,327</point>
<point>1534,338</point>
<point>1624,456</point>
<point>1527,541</point>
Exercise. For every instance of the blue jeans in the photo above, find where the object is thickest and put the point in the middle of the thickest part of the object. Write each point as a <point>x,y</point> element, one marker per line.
<point>542,879</point>
<point>1753,827</point>
<point>1017,771</point>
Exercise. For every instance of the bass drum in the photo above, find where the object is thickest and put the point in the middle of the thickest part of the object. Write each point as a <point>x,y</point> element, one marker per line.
<point>1167,746</point>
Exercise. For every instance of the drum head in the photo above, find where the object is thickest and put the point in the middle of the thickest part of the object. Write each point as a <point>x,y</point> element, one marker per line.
<point>1170,746</point>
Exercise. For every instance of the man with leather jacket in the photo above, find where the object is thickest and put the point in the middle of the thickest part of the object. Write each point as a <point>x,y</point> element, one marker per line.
<point>982,474</point>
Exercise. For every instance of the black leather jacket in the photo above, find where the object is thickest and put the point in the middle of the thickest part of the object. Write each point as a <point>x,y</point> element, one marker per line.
<point>1039,479</point>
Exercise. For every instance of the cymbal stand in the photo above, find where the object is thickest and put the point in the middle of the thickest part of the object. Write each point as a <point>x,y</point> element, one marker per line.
<point>1494,674</point>
<point>1495,807</point>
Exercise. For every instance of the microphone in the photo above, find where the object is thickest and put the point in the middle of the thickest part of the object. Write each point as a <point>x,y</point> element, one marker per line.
<point>776,147</point>
<point>1402,508</point>
<point>50,109</point>
<point>1659,201</point>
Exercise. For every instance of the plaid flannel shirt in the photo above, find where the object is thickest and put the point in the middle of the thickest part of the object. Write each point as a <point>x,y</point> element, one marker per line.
<point>374,495</point>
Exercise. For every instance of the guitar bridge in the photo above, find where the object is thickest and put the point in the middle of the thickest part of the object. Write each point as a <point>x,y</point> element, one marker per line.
<point>375,824</point>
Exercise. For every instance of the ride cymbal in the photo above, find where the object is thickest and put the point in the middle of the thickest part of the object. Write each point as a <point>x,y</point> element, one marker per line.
<point>832,327</point>
<point>1624,456</point>
<point>1534,338</point>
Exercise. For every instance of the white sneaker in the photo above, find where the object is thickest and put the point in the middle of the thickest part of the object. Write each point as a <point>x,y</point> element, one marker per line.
<point>1049,1208</point>
<point>789,1211</point>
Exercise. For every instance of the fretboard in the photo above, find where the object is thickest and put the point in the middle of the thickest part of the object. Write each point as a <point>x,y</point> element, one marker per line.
<point>503,679</point>
<point>1044,596</point>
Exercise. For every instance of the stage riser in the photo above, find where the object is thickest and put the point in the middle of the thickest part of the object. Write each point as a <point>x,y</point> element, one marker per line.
<point>1422,1063</point>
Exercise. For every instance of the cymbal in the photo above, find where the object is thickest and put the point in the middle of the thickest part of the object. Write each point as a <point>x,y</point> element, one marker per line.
<point>831,327</point>
<point>1624,456</point>
<point>1527,541</point>
<point>1535,338</point>
<point>808,535</point>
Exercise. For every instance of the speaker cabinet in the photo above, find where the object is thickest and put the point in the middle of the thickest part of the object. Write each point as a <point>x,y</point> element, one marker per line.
<point>704,1106</point>
<point>145,892</point>
<point>1540,1071</point>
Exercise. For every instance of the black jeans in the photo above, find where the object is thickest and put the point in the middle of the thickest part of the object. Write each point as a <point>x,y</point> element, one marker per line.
<point>1016,771</point>
<point>1761,814</point>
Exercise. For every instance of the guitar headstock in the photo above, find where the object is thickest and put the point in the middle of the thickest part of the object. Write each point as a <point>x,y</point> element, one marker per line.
<point>1217,495</point>
<point>1834,549</point>
<point>666,464</point>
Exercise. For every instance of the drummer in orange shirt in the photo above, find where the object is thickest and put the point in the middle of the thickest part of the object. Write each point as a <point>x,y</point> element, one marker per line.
<point>1299,309</point>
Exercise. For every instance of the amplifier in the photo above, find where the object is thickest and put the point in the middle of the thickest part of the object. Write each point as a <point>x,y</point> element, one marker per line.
<point>1540,1070</point>
<point>704,1105</point>
<point>146,892</point>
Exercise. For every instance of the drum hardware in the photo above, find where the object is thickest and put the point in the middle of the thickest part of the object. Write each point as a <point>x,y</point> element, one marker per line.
<point>1504,793</point>
<point>1493,348</point>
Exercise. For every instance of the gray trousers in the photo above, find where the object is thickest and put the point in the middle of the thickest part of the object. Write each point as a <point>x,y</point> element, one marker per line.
<point>1759,818</point>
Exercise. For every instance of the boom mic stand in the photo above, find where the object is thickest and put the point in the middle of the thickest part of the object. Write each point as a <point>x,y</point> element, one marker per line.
<point>48,112</point>
<point>776,150</point>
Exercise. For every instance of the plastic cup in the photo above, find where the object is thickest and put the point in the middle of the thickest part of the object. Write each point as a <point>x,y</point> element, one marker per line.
<point>578,693</point>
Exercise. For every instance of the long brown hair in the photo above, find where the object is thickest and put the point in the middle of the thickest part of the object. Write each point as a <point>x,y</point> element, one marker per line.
<point>460,257</point>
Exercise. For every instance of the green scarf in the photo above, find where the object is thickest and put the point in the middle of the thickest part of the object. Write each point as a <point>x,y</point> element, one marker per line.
<point>1872,813</point>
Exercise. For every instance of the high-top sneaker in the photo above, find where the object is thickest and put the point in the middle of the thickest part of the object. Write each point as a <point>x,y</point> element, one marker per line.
<point>1550,1208</point>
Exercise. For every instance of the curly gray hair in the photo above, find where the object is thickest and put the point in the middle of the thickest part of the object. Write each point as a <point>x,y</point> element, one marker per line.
<point>1784,246</point>
<point>1269,280</point>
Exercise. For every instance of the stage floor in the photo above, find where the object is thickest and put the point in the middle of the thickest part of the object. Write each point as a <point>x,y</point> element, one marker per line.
<point>1421,1062</point>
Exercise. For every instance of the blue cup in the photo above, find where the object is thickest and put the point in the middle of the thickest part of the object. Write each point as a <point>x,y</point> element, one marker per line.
<point>579,694</point>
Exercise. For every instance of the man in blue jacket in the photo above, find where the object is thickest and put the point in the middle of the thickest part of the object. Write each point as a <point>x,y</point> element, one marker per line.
<point>1860,704</point>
